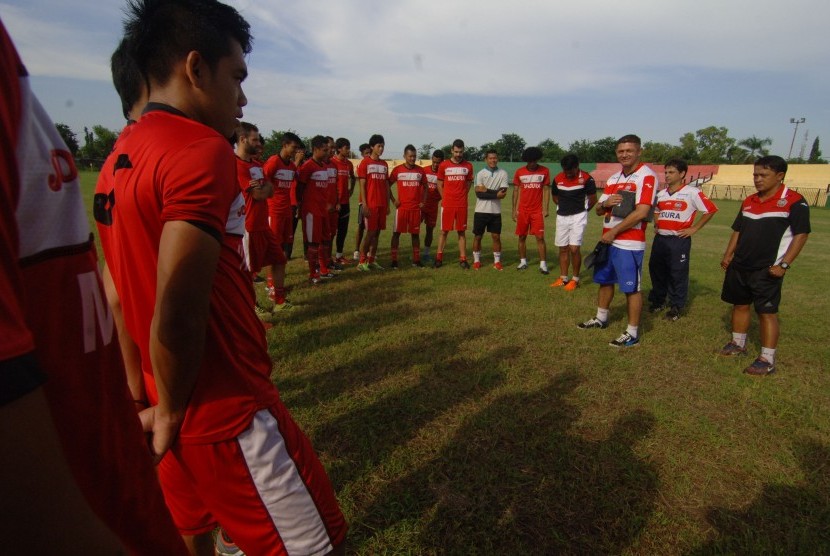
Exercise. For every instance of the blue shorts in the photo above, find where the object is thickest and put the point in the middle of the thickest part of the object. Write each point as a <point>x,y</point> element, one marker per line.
<point>623,268</point>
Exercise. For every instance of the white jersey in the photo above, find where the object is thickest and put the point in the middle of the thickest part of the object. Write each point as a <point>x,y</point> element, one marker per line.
<point>492,180</point>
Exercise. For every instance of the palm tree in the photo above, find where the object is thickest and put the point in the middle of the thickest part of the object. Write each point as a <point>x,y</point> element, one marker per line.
<point>756,144</point>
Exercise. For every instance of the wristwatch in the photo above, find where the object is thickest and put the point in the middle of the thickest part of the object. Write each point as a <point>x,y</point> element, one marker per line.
<point>784,265</point>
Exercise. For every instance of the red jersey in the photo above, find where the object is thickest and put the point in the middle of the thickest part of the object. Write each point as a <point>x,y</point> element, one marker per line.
<point>51,297</point>
<point>457,178</point>
<point>332,195</point>
<point>433,195</point>
<point>531,183</point>
<point>643,183</point>
<point>282,176</point>
<point>411,184</point>
<point>314,180</point>
<point>376,174</point>
<point>677,211</point>
<point>176,169</point>
<point>345,174</point>
<point>256,212</point>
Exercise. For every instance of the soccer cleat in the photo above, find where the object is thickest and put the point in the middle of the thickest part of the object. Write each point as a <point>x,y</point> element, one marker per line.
<point>394,265</point>
<point>498,266</point>
<point>438,263</point>
<point>426,259</point>
<point>656,308</point>
<point>522,266</point>
<point>225,546</point>
<point>363,267</point>
<point>327,275</point>
<point>592,323</point>
<point>672,314</point>
<point>559,283</point>
<point>279,307</point>
<point>260,312</point>
<point>544,271</point>
<point>625,340</point>
<point>258,279</point>
<point>418,264</point>
<point>356,256</point>
<point>732,349</point>
<point>476,265</point>
<point>571,285</point>
<point>314,280</point>
<point>464,264</point>
<point>343,261</point>
<point>760,367</point>
<point>337,267</point>
<point>375,266</point>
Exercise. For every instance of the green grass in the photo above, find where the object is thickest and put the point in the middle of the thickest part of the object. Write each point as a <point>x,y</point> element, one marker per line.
<point>464,412</point>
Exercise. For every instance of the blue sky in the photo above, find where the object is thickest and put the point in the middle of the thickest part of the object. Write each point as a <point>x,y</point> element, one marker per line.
<point>429,71</point>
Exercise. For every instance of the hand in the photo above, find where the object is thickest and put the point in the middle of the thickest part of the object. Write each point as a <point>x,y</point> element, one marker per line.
<point>367,212</point>
<point>397,203</point>
<point>612,200</point>
<point>501,194</point>
<point>724,264</point>
<point>546,213</point>
<point>687,232</point>
<point>776,271</point>
<point>609,236</point>
<point>480,188</point>
<point>515,216</point>
<point>255,183</point>
<point>163,430</point>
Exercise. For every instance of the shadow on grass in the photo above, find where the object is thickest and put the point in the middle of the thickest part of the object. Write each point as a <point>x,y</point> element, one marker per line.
<point>784,519</point>
<point>515,480</point>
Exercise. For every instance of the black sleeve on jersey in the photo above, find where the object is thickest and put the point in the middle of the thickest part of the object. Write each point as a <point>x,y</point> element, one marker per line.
<point>18,377</point>
<point>800,217</point>
<point>212,232</point>
<point>590,186</point>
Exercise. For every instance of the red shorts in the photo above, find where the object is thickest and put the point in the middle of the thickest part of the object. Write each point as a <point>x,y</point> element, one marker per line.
<point>453,218</point>
<point>377,219</point>
<point>407,221</point>
<point>530,224</point>
<point>334,221</point>
<point>266,488</point>
<point>262,249</point>
<point>429,215</point>
<point>283,227</point>
<point>316,227</point>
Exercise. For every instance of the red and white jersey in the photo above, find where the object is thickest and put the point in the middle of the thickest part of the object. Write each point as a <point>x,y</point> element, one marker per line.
<point>643,182</point>
<point>457,177</point>
<point>314,180</point>
<point>676,211</point>
<point>376,174</point>
<point>256,212</point>
<point>433,195</point>
<point>410,185</point>
<point>282,176</point>
<point>176,169</point>
<point>345,174</point>
<point>53,310</point>
<point>332,190</point>
<point>531,183</point>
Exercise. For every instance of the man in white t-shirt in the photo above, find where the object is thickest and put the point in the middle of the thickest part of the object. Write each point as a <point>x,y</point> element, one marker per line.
<point>491,187</point>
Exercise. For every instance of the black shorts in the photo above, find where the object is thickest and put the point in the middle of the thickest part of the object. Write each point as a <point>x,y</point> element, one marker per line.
<point>485,221</point>
<point>757,287</point>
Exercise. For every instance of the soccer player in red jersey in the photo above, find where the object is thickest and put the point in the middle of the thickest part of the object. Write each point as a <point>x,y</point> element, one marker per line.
<point>411,183</point>
<point>365,151</point>
<point>345,188</point>
<point>261,245</point>
<point>77,476</point>
<point>281,171</point>
<point>314,200</point>
<point>299,160</point>
<point>373,174</point>
<point>188,299</point>
<point>531,203</point>
<point>334,212</point>
<point>455,177</point>
<point>429,214</point>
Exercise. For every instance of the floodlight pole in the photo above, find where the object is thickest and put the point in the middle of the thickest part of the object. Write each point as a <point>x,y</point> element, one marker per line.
<point>795,121</point>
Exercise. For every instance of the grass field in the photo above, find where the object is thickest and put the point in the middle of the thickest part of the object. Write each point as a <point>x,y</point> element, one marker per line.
<point>464,413</point>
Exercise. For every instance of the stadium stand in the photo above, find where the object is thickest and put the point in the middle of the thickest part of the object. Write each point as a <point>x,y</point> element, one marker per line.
<point>735,182</point>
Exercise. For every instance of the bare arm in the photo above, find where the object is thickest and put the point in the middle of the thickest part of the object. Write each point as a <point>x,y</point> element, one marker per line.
<point>546,199</point>
<point>689,232</point>
<point>129,350</point>
<point>261,190</point>
<point>363,194</point>
<point>517,191</point>
<point>177,333</point>
<point>789,255</point>
<point>730,250</point>
<point>592,200</point>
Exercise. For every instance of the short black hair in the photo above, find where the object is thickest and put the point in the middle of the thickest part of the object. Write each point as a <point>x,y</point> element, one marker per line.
<point>491,151</point>
<point>408,148</point>
<point>773,162</point>
<point>569,162</point>
<point>291,137</point>
<point>364,147</point>
<point>679,164</point>
<point>532,154</point>
<point>376,139</point>
<point>630,138</point>
<point>439,154</point>
<point>342,142</point>
<point>126,77</point>
<point>160,33</point>
<point>318,141</point>
<point>244,129</point>
<point>458,143</point>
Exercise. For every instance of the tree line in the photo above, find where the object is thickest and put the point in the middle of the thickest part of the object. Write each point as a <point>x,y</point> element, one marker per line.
<point>709,145</point>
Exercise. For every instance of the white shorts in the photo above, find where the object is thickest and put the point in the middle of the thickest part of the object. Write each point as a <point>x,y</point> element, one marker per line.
<point>570,229</point>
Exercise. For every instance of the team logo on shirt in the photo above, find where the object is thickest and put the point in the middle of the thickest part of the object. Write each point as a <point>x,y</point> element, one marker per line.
<point>781,202</point>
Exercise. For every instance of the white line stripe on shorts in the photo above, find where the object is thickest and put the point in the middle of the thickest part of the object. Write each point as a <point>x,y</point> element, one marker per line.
<point>281,488</point>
